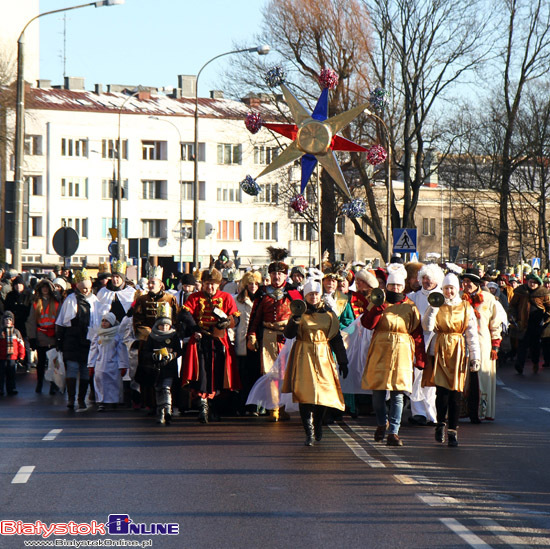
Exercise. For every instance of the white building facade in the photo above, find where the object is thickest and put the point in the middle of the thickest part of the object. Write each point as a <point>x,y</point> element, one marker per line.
<point>70,163</point>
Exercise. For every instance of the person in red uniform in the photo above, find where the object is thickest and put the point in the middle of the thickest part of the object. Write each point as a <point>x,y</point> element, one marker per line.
<point>269,316</point>
<point>209,364</point>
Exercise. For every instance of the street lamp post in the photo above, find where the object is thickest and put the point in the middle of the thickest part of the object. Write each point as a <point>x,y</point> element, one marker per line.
<point>19,147</point>
<point>389,236</point>
<point>120,254</point>
<point>260,50</point>
<point>181,236</point>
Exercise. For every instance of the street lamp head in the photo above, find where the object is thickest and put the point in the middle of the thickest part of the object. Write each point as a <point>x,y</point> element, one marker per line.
<point>102,3</point>
<point>263,50</point>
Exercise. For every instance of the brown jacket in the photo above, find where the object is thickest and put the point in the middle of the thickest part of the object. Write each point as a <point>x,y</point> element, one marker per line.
<point>520,306</point>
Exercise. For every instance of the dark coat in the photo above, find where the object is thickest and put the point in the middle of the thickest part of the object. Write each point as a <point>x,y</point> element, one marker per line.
<point>20,305</point>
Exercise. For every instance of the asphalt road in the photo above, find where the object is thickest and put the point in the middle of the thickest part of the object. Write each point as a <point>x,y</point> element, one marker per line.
<point>248,483</point>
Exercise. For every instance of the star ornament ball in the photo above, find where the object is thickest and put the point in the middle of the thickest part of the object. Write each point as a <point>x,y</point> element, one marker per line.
<point>314,138</point>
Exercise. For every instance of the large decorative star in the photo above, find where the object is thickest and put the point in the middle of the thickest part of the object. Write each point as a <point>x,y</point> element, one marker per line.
<point>314,138</point>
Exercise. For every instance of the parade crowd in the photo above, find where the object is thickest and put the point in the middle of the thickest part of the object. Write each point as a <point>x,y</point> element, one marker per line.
<point>343,339</point>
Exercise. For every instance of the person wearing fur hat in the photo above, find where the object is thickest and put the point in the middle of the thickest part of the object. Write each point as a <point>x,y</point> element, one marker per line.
<point>269,316</point>
<point>186,288</point>
<point>209,364</point>
<point>78,318</point>
<point>41,327</point>
<point>117,295</point>
<point>456,348</point>
<point>12,349</point>
<point>423,411</point>
<point>530,307</point>
<point>412,283</point>
<point>481,385</point>
<point>161,351</point>
<point>365,282</point>
<point>108,359</point>
<point>144,317</point>
<point>249,361</point>
<point>311,375</point>
<point>396,347</point>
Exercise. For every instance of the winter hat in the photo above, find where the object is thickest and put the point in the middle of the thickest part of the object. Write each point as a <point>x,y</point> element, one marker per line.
<point>534,277</point>
<point>492,285</point>
<point>8,314</point>
<point>17,280</point>
<point>298,270</point>
<point>367,277</point>
<point>451,280</point>
<point>312,286</point>
<point>12,273</point>
<point>188,279</point>
<point>110,318</point>
<point>432,271</point>
<point>60,282</point>
<point>397,274</point>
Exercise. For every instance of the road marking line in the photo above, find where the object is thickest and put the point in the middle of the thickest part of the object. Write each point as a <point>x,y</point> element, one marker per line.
<point>467,535</point>
<point>546,409</point>
<point>355,447</point>
<point>502,533</point>
<point>500,383</point>
<point>381,447</point>
<point>52,434</point>
<point>405,479</point>
<point>23,475</point>
<point>517,393</point>
<point>437,500</point>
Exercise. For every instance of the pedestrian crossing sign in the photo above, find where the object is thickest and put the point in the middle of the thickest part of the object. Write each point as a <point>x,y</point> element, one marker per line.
<point>404,240</point>
<point>535,263</point>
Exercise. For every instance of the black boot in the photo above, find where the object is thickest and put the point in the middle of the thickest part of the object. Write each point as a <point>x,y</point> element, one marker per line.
<point>318,416</point>
<point>161,416</point>
<point>71,392</point>
<point>203,410</point>
<point>453,438</point>
<point>82,389</point>
<point>440,432</point>
<point>306,413</point>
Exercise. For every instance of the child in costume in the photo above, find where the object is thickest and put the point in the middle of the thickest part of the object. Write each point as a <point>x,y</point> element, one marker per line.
<point>12,349</point>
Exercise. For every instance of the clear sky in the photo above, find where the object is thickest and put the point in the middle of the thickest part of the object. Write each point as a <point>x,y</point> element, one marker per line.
<point>146,42</point>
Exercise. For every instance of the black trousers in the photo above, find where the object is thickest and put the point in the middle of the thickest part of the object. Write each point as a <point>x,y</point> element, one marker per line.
<point>447,404</point>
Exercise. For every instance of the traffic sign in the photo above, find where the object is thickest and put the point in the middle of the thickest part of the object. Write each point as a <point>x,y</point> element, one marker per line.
<point>113,232</point>
<point>404,240</point>
<point>535,263</point>
<point>113,248</point>
<point>414,257</point>
<point>65,241</point>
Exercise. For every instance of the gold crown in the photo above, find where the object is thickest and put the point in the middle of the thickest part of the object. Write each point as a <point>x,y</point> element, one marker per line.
<point>164,310</point>
<point>156,272</point>
<point>82,275</point>
<point>119,267</point>
<point>104,267</point>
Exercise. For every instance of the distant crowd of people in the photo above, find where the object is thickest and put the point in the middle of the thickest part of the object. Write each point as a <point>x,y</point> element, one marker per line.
<point>278,338</point>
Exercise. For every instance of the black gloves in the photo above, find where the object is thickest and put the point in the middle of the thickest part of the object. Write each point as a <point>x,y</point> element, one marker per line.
<point>344,370</point>
<point>223,324</point>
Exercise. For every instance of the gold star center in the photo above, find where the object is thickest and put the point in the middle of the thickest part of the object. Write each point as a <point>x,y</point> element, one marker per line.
<point>314,137</point>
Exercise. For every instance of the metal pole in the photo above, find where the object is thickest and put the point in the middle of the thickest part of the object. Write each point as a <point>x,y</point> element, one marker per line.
<point>260,50</point>
<point>320,244</point>
<point>19,146</point>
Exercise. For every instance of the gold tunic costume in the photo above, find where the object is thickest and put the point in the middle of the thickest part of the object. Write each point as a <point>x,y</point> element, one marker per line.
<point>450,361</point>
<point>391,353</point>
<point>311,374</point>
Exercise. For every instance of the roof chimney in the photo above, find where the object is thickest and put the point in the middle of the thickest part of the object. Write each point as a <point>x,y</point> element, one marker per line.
<point>98,89</point>
<point>187,84</point>
<point>43,84</point>
<point>216,94</point>
<point>74,83</point>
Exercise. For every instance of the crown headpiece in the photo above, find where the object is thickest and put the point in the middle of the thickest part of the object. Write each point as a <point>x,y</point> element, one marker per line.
<point>119,267</point>
<point>82,275</point>
<point>156,272</point>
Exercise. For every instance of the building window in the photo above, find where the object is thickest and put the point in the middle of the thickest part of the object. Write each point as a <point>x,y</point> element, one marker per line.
<point>451,227</point>
<point>74,187</point>
<point>229,154</point>
<point>154,150</point>
<point>74,147</point>
<point>109,148</point>
<point>229,192</point>
<point>265,231</point>
<point>428,226</point>
<point>340,225</point>
<point>33,145</point>
<point>79,224</point>
<point>35,185</point>
<point>108,189</point>
<point>303,231</point>
<point>107,223</point>
<point>229,230</point>
<point>36,226</point>
<point>154,228</point>
<point>311,195</point>
<point>154,189</point>
<point>187,152</point>
<point>265,155</point>
<point>187,190</point>
<point>268,194</point>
